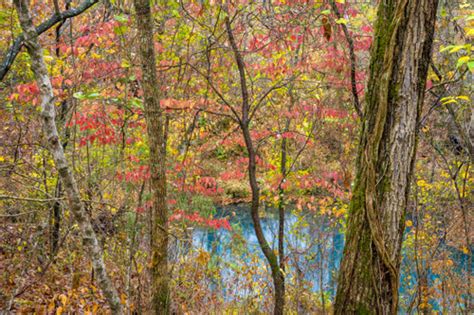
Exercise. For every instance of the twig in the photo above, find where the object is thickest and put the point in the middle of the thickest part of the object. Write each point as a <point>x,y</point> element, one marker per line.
<point>40,29</point>
<point>2,197</point>
<point>352,57</point>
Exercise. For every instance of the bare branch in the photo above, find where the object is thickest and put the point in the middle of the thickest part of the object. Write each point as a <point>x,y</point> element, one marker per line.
<point>216,90</point>
<point>40,29</point>
<point>4,197</point>
<point>352,57</point>
<point>276,86</point>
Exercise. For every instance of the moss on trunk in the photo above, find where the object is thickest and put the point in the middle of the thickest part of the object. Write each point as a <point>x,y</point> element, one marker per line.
<point>368,279</point>
<point>157,143</point>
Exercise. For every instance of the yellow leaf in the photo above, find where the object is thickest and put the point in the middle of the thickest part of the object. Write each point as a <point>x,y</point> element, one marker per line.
<point>456,49</point>
<point>409,223</point>
<point>421,183</point>
<point>449,102</point>
<point>462,60</point>
<point>51,306</point>
<point>341,21</point>
<point>463,97</point>
<point>203,257</point>
<point>95,308</point>
<point>63,299</point>
<point>59,310</point>
<point>48,58</point>
<point>125,63</point>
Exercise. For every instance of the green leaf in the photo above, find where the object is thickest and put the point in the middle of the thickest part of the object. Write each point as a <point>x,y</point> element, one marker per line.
<point>120,30</point>
<point>88,96</point>
<point>92,95</point>
<point>121,18</point>
<point>136,102</point>
<point>470,65</point>
<point>443,12</point>
<point>462,60</point>
<point>79,95</point>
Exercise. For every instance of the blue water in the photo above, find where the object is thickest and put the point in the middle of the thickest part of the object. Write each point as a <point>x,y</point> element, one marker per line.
<point>313,245</point>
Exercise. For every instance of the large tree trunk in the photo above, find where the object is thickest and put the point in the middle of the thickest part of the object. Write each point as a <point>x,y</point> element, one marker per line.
<point>70,187</point>
<point>369,274</point>
<point>156,141</point>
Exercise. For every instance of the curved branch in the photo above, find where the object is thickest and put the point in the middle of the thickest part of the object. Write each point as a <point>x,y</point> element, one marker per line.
<point>352,56</point>
<point>40,29</point>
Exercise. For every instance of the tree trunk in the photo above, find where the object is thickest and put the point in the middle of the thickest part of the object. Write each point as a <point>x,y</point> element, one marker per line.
<point>157,144</point>
<point>277,274</point>
<point>369,273</point>
<point>281,212</point>
<point>70,187</point>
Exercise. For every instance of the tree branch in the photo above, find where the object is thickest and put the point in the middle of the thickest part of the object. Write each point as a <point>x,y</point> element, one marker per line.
<point>3,197</point>
<point>276,86</point>
<point>216,90</point>
<point>40,29</point>
<point>352,57</point>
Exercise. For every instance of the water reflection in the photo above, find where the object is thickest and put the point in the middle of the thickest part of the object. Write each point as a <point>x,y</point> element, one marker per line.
<point>313,245</point>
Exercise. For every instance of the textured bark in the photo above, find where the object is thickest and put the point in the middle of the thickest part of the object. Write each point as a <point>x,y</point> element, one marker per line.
<point>369,273</point>
<point>277,274</point>
<point>89,238</point>
<point>157,144</point>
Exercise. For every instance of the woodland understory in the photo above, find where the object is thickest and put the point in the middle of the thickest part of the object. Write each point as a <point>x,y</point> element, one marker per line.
<point>236,157</point>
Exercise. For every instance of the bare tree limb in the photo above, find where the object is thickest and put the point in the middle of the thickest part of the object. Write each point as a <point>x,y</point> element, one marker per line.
<point>218,93</point>
<point>89,238</point>
<point>40,29</point>
<point>352,56</point>
<point>4,197</point>
<point>276,86</point>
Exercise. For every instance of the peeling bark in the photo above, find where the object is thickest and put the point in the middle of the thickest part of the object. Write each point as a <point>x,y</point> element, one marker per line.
<point>89,238</point>
<point>369,274</point>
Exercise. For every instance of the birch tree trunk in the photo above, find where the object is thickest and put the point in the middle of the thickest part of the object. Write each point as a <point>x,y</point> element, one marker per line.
<point>157,144</point>
<point>89,238</point>
<point>401,53</point>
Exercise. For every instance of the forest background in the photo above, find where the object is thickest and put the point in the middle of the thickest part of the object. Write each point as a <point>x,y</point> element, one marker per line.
<point>306,65</point>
